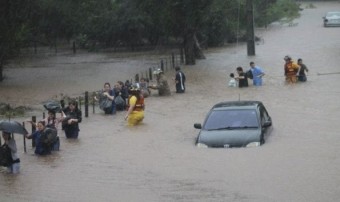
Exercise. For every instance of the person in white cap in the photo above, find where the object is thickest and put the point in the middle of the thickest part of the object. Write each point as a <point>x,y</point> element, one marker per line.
<point>162,83</point>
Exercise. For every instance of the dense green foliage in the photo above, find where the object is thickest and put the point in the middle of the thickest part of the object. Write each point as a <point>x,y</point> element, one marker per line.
<point>130,23</point>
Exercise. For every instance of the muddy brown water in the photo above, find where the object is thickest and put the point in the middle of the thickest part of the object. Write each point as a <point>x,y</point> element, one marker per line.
<point>157,161</point>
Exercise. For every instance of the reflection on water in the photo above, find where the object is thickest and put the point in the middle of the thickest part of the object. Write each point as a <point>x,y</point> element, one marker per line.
<point>158,161</point>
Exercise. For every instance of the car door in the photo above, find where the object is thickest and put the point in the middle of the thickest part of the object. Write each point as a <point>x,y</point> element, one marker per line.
<point>265,118</point>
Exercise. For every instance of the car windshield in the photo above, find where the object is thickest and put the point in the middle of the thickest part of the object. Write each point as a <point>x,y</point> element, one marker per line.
<point>231,119</point>
<point>333,14</point>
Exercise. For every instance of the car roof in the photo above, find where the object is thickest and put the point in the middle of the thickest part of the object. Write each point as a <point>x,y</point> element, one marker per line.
<point>333,12</point>
<point>238,104</point>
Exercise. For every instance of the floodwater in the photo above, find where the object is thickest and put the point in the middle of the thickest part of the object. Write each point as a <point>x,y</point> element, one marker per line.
<point>157,161</point>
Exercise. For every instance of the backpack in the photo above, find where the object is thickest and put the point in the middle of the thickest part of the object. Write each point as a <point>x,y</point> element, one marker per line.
<point>105,103</point>
<point>5,156</point>
<point>249,74</point>
<point>119,101</point>
<point>49,137</point>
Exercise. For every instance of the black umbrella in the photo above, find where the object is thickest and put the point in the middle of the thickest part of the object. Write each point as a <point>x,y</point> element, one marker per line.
<point>53,106</point>
<point>12,127</point>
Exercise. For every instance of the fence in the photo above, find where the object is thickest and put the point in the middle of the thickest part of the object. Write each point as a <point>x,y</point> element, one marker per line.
<point>88,100</point>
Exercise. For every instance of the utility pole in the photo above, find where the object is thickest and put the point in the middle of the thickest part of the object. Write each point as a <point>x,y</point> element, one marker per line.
<point>250,28</point>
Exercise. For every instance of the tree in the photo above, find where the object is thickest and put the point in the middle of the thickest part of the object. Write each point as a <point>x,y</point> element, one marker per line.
<point>187,20</point>
<point>131,23</point>
<point>13,15</point>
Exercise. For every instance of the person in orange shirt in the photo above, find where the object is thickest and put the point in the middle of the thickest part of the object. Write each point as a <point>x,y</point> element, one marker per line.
<point>291,69</point>
<point>135,113</point>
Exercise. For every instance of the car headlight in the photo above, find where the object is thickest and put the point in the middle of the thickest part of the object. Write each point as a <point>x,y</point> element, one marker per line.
<point>253,144</point>
<point>201,145</point>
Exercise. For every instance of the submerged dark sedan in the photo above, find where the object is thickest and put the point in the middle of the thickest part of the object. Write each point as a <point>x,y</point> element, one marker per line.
<point>235,124</point>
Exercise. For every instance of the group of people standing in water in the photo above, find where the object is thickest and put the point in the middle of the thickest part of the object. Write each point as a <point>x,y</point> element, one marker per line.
<point>45,138</point>
<point>293,73</point>
<point>122,97</point>
<point>132,97</point>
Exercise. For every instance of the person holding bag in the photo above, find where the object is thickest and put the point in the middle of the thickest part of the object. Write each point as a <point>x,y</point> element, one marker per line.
<point>71,121</point>
<point>106,100</point>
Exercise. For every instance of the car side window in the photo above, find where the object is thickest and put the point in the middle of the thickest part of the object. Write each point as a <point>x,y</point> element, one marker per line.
<point>264,115</point>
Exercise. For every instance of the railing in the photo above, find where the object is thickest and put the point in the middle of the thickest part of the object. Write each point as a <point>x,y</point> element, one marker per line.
<point>88,100</point>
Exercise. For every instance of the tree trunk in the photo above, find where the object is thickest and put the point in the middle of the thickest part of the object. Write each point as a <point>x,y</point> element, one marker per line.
<point>189,47</point>
<point>250,28</point>
<point>1,72</point>
<point>192,49</point>
<point>198,51</point>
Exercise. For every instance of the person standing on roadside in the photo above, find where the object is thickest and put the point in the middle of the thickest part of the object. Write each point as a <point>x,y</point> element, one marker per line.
<point>257,74</point>
<point>242,78</point>
<point>302,72</point>
<point>179,80</point>
<point>291,70</point>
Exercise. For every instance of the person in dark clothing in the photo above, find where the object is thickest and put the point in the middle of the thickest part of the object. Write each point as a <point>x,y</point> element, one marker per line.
<point>10,150</point>
<point>302,71</point>
<point>121,94</point>
<point>242,78</point>
<point>179,80</point>
<point>72,120</point>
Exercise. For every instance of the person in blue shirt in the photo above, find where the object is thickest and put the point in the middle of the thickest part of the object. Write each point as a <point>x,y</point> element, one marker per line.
<point>37,136</point>
<point>257,74</point>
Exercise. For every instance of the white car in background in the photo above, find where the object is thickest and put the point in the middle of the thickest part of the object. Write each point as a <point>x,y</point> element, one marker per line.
<point>332,18</point>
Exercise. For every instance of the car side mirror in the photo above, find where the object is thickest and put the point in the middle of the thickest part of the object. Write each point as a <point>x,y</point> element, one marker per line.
<point>197,126</point>
<point>267,124</point>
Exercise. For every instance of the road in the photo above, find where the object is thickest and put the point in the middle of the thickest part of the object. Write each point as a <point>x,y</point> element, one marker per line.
<point>158,160</point>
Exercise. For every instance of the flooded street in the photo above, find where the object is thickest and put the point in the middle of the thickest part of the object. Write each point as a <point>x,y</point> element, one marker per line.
<point>158,161</point>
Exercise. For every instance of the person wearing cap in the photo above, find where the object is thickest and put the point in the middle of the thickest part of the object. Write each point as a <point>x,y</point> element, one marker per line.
<point>10,144</point>
<point>291,69</point>
<point>179,80</point>
<point>162,83</point>
<point>135,110</point>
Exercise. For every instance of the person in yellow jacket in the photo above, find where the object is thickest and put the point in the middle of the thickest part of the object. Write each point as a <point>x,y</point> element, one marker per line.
<point>291,69</point>
<point>135,108</point>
